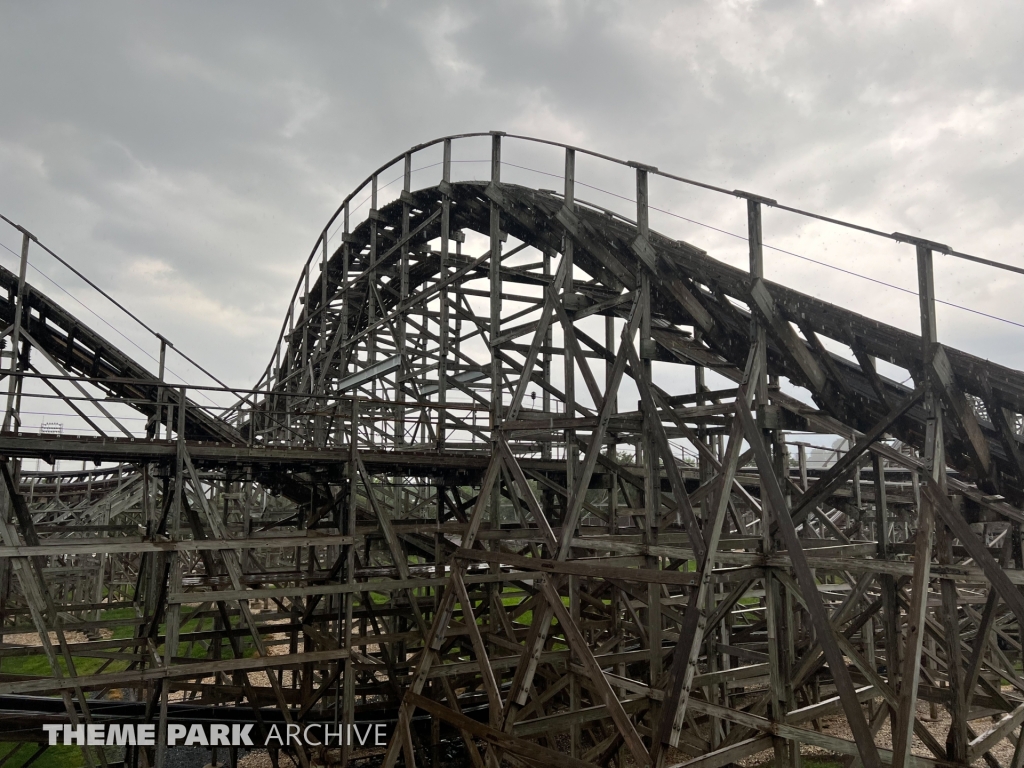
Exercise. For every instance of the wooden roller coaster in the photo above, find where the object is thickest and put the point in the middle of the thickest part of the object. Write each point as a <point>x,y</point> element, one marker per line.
<point>534,485</point>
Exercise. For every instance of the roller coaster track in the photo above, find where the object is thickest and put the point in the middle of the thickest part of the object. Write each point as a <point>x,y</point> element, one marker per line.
<point>522,467</point>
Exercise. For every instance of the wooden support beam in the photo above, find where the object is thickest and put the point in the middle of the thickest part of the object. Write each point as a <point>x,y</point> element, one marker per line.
<point>581,649</point>
<point>833,655</point>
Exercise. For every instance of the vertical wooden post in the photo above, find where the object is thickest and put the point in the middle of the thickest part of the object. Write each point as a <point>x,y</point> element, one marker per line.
<point>321,423</point>
<point>494,330</point>
<point>574,683</point>
<point>442,363</point>
<point>324,294</point>
<point>348,708</point>
<point>403,292</point>
<point>545,357</point>
<point>247,491</point>
<point>958,737</point>
<point>933,707</point>
<point>802,463</point>
<point>934,464</point>
<point>304,318</point>
<point>170,650</point>
<point>571,449</point>
<point>160,392</point>
<point>890,605</point>
<point>346,257</point>
<point>652,480</point>
<point>785,752</point>
<point>857,496</point>
<point>758,335</point>
<point>613,477</point>
<point>651,468</point>
<point>371,282</point>
<point>12,420</point>
<point>179,468</point>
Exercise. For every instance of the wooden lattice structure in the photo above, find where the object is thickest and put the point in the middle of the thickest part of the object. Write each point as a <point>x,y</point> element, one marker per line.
<point>489,498</point>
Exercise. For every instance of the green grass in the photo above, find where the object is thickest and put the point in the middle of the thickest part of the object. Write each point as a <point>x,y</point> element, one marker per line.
<point>38,665</point>
<point>124,632</point>
<point>59,756</point>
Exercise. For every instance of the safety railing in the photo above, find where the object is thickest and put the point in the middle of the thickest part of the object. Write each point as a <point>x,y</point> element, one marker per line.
<point>421,162</point>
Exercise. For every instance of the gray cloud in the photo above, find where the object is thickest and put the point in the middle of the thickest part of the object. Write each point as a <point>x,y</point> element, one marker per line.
<point>187,155</point>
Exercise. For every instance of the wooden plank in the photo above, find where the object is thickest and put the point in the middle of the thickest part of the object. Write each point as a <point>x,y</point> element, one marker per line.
<point>572,346</point>
<point>981,639</point>
<point>962,411</point>
<point>597,437</point>
<point>977,550</point>
<point>496,738</point>
<point>490,683</point>
<point>583,236</point>
<point>590,567</point>
<point>1008,437</point>
<point>805,735</point>
<point>512,463</point>
<point>121,546</point>
<point>231,563</point>
<point>561,721</point>
<point>600,684</point>
<point>910,674</point>
<point>867,367</point>
<point>691,632</point>
<point>728,755</point>
<point>836,474</point>
<point>660,441</point>
<point>1000,730</point>
<point>823,628</point>
<point>784,332</point>
<point>173,672</point>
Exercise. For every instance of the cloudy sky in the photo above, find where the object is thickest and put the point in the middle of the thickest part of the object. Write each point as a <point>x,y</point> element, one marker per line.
<point>185,155</point>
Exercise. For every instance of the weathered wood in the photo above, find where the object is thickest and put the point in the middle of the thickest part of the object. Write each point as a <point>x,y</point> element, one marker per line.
<point>691,633</point>
<point>582,650</point>
<point>837,666</point>
<point>916,615</point>
<point>409,450</point>
<point>496,738</point>
<point>836,474</point>
<point>469,619</point>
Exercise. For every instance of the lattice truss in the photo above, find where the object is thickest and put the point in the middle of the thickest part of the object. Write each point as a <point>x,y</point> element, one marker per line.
<point>486,492</point>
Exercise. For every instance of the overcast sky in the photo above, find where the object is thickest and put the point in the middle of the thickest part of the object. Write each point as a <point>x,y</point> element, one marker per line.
<point>185,155</point>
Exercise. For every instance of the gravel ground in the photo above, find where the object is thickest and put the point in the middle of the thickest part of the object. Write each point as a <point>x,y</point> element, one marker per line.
<point>939,727</point>
<point>198,757</point>
<point>261,758</point>
<point>33,638</point>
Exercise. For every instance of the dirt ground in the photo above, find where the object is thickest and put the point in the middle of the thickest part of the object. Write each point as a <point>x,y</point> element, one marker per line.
<point>938,727</point>
<point>835,725</point>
